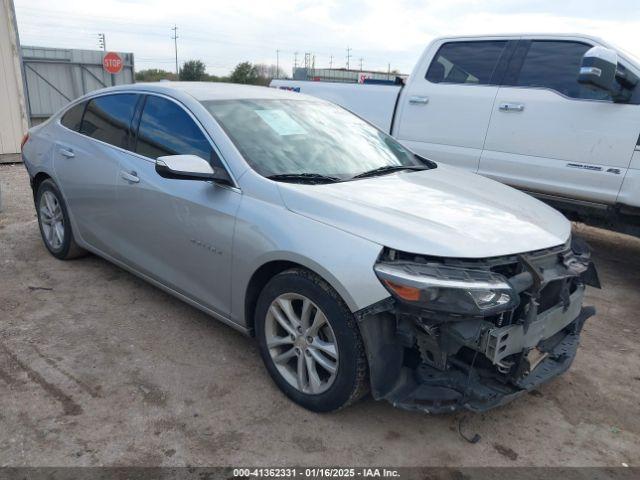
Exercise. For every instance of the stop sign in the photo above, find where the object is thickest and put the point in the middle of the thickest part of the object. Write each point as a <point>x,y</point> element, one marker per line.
<point>112,63</point>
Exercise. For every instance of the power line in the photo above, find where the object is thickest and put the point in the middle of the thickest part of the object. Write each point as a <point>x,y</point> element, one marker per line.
<point>175,44</point>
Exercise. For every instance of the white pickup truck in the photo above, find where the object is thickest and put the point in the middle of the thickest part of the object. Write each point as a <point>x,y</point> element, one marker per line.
<point>548,114</point>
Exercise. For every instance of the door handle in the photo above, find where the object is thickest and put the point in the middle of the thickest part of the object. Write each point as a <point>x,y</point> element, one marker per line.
<point>416,100</point>
<point>67,153</point>
<point>511,107</point>
<point>129,177</point>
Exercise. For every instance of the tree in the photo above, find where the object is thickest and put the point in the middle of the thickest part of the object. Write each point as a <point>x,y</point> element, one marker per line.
<point>193,71</point>
<point>154,75</point>
<point>244,73</point>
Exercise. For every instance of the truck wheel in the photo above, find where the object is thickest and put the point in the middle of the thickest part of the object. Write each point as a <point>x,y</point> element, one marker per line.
<point>310,342</point>
<point>54,223</point>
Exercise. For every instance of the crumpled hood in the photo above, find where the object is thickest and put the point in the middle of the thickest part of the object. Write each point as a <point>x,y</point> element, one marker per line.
<point>444,212</point>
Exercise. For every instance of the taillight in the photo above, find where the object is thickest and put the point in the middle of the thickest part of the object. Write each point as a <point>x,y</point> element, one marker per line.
<point>25,139</point>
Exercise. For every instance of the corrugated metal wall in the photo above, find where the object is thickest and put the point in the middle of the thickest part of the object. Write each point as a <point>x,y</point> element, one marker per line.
<point>55,76</point>
<point>13,119</point>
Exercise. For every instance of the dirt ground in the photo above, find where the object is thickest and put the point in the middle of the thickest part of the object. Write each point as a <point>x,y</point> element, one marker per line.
<point>99,368</point>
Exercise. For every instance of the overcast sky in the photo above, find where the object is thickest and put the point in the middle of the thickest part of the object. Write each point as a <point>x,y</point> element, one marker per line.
<point>223,33</point>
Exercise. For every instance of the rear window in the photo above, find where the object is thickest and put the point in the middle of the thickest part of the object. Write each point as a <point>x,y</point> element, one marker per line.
<point>73,117</point>
<point>108,118</point>
<point>466,62</point>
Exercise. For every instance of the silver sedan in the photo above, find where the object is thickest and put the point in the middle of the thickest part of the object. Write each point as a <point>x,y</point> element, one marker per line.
<point>357,265</point>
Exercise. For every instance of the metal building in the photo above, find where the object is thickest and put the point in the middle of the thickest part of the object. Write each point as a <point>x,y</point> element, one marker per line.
<point>343,75</point>
<point>13,114</point>
<point>55,76</point>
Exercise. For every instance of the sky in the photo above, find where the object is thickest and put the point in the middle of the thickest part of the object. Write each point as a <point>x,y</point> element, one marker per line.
<point>380,32</point>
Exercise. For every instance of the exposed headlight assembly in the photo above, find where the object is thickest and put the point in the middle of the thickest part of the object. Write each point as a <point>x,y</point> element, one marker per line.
<point>448,289</point>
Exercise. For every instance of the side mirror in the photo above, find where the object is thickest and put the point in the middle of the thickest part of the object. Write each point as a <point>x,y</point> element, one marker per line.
<point>190,167</point>
<point>598,68</point>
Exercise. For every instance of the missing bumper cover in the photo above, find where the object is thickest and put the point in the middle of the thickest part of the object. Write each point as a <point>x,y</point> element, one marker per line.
<point>427,361</point>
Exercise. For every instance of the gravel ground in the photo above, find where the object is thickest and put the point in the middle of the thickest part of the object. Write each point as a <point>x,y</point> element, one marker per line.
<point>99,368</point>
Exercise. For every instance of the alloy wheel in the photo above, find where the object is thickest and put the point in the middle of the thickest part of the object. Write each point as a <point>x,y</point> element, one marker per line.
<point>52,220</point>
<point>301,343</point>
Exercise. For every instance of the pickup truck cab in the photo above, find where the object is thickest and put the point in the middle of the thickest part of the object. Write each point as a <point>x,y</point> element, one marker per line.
<point>531,111</point>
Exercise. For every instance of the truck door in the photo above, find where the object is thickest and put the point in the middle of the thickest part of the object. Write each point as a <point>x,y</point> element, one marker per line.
<point>552,135</point>
<point>444,114</point>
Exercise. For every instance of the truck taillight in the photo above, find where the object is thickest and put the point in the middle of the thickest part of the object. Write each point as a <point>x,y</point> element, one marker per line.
<point>25,139</point>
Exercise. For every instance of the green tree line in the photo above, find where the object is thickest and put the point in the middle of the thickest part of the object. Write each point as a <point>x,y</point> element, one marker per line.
<point>195,71</point>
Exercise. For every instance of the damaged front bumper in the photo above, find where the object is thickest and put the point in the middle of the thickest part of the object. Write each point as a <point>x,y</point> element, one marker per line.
<point>433,362</point>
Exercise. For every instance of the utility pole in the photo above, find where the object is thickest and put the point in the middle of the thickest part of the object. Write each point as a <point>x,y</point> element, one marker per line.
<point>102,43</point>
<point>277,63</point>
<point>330,62</point>
<point>348,56</point>
<point>295,60</point>
<point>175,45</point>
<point>388,71</point>
<point>361,60</point>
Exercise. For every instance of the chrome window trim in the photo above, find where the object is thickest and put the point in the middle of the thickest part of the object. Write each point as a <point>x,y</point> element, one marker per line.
<point>225,165</point>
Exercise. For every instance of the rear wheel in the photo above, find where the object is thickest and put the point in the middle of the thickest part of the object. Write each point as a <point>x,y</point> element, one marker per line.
<point>54,223</point>
<point>310,343</point>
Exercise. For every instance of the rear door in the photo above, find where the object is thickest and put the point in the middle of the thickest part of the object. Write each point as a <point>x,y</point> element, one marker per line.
<point>179,232</point>
<point>552,135</point>
<point>444,114</point>
<point>94,135</point>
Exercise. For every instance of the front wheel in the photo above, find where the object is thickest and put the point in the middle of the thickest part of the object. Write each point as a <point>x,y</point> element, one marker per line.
<point>310,343</point>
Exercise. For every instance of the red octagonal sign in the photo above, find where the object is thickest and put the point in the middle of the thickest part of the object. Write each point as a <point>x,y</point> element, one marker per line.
<point>112,63</point>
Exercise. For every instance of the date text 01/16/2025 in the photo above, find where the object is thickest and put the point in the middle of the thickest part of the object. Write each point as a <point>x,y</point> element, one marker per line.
<point>316,472</point>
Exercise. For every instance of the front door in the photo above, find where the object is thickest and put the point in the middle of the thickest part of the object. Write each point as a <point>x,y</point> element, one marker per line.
<point>553,135</point>
<point>179,232</point>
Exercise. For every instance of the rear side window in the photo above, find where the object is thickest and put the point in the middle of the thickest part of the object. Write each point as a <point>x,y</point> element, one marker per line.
<point>73,117</point>
<point>166,129</point>
<point>108,118</point>
<point>555,65</point>
<point>466,62</point>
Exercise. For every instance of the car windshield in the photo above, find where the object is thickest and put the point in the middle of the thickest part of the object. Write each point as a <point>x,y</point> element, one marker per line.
<point>293,137</point>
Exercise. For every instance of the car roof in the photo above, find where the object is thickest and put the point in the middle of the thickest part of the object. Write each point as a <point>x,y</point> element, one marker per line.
<point>203,91</point>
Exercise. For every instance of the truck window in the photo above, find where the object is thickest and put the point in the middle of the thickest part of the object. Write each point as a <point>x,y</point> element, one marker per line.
<point>466,62</point>
<point>555,65</point>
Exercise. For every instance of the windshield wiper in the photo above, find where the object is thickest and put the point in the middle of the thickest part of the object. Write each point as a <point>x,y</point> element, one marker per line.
<point>388,169</point>
<point>304,177</point>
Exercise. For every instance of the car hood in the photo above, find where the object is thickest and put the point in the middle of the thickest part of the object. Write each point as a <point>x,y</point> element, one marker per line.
<point>444,212</point>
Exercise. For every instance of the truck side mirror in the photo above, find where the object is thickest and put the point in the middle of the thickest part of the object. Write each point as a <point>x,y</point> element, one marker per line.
<point>598,68</point>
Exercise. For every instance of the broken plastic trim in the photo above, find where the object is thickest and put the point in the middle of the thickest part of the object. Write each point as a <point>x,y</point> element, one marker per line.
<point>437,362</point>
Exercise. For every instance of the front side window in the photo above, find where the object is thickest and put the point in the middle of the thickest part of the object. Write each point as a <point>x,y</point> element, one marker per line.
<point>166,129</point>
<point>108,118</point>
<point>73,117</point>
<point>555,65</point>
<point>292,137</point>
<point>466,62</point>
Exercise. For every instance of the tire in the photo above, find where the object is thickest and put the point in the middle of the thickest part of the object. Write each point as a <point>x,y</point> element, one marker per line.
<point>332,347</point>
<point>53,220</point>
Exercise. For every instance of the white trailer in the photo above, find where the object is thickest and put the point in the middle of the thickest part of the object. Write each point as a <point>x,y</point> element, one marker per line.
<point>13,113</point>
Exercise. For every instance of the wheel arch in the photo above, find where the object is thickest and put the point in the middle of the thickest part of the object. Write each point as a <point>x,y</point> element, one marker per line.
<point>37,180</point>
<point>271,268</point>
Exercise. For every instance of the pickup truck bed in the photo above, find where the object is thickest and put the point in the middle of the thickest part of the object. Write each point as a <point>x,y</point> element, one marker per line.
<point>374,103</point>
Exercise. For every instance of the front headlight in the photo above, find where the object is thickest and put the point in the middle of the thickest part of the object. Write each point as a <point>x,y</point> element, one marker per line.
<point>448,289</point>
